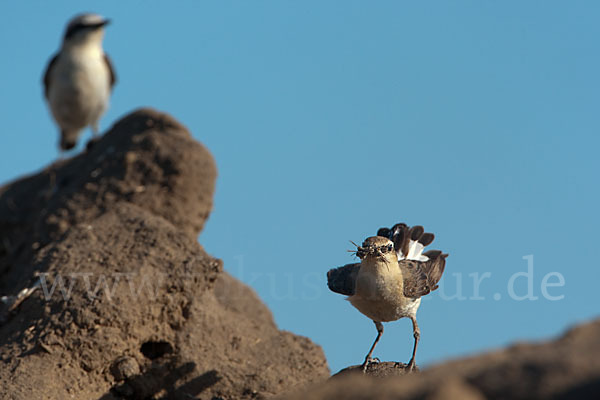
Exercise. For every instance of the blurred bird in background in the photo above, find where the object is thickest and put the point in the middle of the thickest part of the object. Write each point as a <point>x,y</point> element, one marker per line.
<point>79,79</point>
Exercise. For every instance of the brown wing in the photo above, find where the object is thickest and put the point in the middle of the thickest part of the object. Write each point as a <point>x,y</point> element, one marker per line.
<point>46,80</point>
<point>111,69</point>
<point>342,280</point>
<point>422,277</point>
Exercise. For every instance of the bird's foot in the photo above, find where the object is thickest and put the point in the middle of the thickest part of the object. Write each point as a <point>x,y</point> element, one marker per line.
<point>368,362</point>
<point>411,367</point>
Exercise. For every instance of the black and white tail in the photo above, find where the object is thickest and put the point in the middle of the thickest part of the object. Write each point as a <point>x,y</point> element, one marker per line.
<point>409,243</point>
<point>422,271</point>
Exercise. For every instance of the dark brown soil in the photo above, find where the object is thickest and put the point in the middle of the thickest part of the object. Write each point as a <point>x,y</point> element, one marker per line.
<point>147,313</point>
<point>382,369</point>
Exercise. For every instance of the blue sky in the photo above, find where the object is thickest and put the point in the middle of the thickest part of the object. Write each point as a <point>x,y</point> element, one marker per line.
<point>329,119</point>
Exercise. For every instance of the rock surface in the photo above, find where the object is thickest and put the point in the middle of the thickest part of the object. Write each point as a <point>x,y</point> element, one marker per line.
<point>128,303</point>
<point>382,369</point>
<point>565,368</point>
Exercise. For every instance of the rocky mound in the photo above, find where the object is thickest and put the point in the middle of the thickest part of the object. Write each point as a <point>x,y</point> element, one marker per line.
<point>127,303</point>
<point>565,368</point>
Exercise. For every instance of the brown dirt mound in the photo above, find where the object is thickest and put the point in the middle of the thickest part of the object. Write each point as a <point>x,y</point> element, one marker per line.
<point>565,368</point>
<point>129,305</point>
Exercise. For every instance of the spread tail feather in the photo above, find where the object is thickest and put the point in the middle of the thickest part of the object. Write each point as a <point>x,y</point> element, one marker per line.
<point>409,243</point>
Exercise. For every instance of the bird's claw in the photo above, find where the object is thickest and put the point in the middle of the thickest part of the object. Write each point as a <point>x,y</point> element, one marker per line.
<point>411,367</point>
<point>369,361</point>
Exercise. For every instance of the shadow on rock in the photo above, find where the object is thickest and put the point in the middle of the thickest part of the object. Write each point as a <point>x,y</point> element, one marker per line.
<point>168,381</point>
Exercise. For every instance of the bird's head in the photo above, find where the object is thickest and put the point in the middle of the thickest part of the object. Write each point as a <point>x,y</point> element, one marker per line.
<point>377,247</point>
<point>85,28</point>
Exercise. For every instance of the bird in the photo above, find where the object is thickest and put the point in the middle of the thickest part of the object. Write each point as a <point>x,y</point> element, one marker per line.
<point>390,279</point>
<point>79,79</point>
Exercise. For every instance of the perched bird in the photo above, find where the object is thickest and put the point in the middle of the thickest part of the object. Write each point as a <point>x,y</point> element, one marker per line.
<point>79,78</point>
<point>391,278</point>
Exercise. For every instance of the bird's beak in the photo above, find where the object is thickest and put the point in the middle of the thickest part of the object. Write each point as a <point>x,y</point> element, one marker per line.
<point>101,24</point>
<point>366,252</point>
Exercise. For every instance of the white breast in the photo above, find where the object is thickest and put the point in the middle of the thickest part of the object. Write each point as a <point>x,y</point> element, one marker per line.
<point>379,295</point>
<point>79,88</point>
<point>409,308</point>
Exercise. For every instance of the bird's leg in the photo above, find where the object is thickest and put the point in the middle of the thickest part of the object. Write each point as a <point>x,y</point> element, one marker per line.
<point>95,136</point>
<point>368,358</point>
<point>95,130</point>
<point>417,335</point>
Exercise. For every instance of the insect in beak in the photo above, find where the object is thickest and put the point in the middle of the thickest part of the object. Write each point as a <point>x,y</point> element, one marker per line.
<point>359,252</point>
